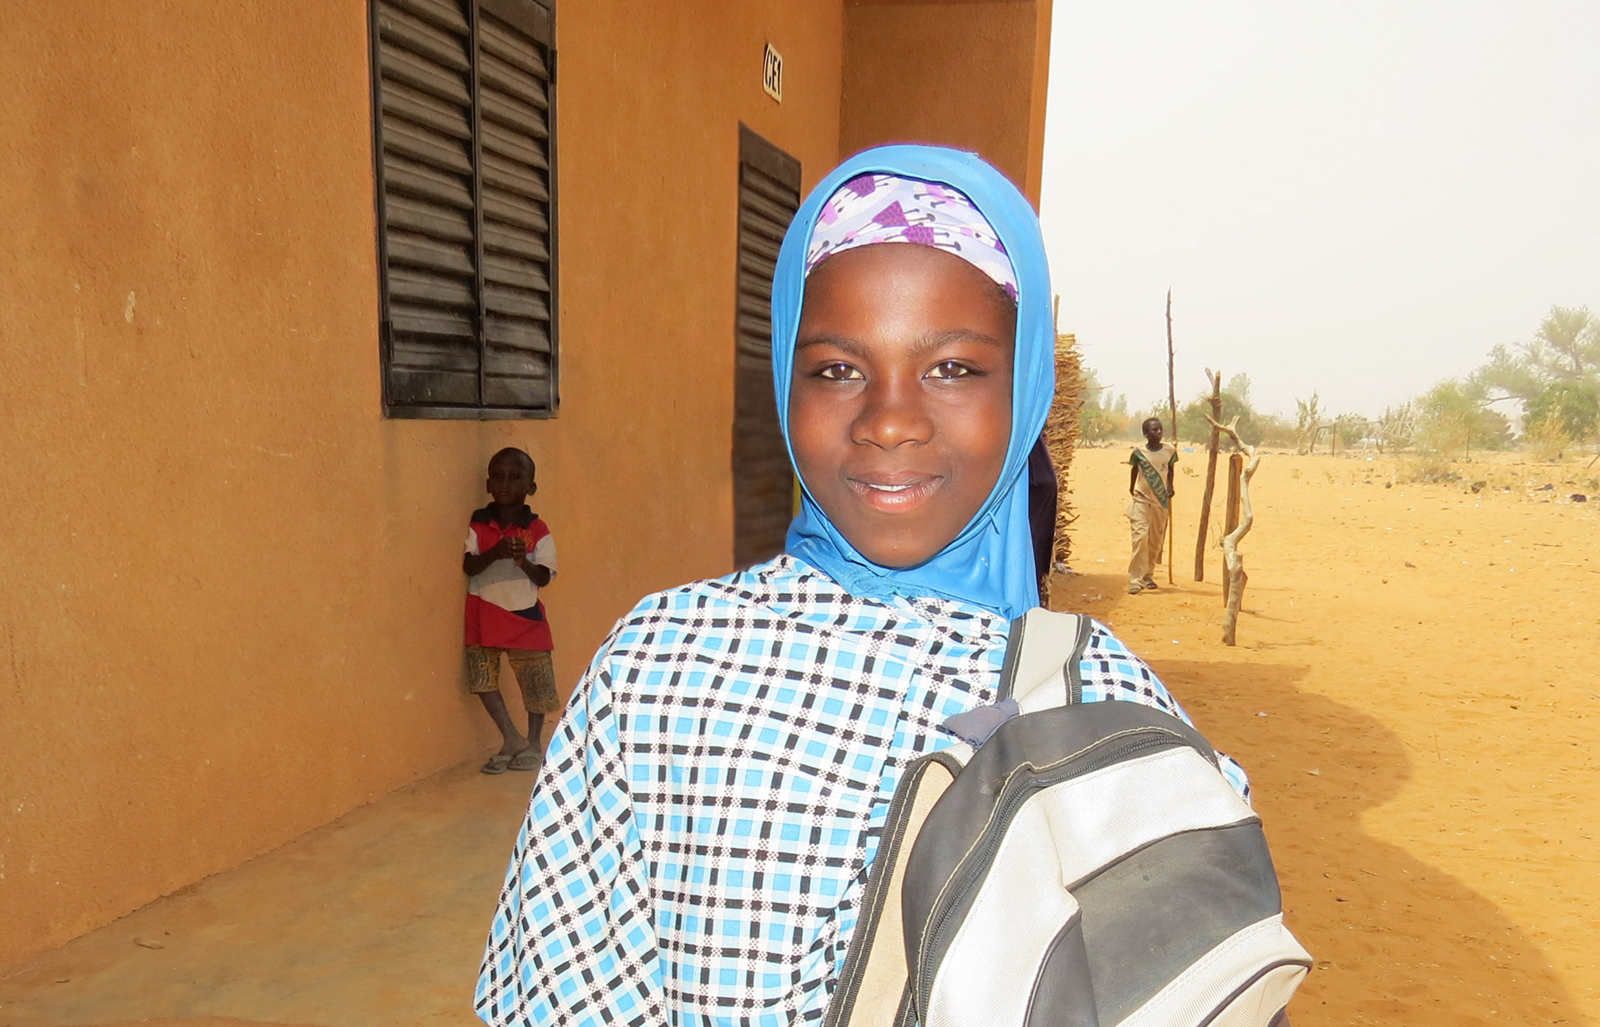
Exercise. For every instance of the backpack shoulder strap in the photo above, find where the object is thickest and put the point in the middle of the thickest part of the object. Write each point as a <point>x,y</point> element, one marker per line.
<point>1040,672</point>
<point>871,991</point>
<point>1042,658</point>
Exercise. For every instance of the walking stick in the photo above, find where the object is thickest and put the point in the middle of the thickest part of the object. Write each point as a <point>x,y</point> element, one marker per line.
<point>1172,403</point>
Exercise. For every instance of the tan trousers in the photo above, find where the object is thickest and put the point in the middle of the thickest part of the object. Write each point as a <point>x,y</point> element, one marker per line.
<point>1149,521</point>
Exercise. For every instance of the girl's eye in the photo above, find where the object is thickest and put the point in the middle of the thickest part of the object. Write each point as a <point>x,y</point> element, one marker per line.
<point>838,372</point>
<point>949,369</point>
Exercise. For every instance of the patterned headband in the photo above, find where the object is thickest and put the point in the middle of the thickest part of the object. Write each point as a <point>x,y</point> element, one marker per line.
<point>880,208</point>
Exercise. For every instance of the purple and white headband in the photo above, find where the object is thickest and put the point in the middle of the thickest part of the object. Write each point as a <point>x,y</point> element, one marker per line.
<point>880,208</point>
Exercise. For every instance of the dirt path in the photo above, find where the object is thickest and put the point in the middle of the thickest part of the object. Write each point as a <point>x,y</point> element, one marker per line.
<point>374,920</point>
<point>1422,739</point>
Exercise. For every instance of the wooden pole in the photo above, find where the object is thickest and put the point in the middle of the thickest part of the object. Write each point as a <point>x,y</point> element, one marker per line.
<point>1211,476</point>
<point>1172,404</point>
<point>1230,516</point>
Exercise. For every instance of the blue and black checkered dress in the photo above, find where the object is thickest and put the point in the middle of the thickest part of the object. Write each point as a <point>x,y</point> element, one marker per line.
<point>698,842</point>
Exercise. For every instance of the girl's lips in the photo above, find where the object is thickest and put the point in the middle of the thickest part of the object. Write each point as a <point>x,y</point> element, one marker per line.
<point>894,494</point>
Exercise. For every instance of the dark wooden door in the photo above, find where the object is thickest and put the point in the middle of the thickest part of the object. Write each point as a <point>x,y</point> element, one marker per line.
<point>763,484</point>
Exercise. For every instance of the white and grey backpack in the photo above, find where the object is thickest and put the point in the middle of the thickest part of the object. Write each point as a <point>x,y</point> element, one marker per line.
<point>1076,865</point>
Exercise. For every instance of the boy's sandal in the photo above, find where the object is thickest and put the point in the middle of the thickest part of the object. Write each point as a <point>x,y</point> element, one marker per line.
<point>497,764</point>
<point>1135,589</point>
<point>528,759</point>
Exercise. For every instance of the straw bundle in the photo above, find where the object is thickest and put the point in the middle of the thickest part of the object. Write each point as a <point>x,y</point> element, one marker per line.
<point>1061,436</point>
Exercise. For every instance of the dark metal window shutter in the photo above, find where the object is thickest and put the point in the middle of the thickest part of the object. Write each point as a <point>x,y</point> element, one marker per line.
<point>763,483</point>
<point>464,133</point>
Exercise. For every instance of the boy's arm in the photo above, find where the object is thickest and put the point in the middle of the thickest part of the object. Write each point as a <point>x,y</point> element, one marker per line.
<point>537,573</point>
<point>539,564</point>
<point>1133,478</point>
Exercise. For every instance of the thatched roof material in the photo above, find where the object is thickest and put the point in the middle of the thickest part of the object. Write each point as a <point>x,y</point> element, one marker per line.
<point>1061,437</point>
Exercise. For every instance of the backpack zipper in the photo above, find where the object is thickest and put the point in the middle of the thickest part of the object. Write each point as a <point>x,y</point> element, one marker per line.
<point>1016,790</point>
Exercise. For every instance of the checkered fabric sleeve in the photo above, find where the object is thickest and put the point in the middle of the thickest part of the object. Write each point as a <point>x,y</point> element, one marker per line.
<point>1111,671</point>
<point>572,941</point>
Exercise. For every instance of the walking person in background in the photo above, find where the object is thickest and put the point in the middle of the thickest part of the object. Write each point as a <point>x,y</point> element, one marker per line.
<point>510,556</point>
<point>1150,485</point>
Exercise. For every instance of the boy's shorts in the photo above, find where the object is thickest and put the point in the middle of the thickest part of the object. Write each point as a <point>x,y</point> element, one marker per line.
<point>534,671</point>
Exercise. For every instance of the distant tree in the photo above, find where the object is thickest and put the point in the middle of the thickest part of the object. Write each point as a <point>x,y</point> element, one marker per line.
<point>1352,428</point>
<point>1494,431</point>
<point>1565,348</point>
<point>1239,385</point>
<point>1570,408</point>
<point>1102,415</point>
<point>1307,415</point>
<point>1275,430</point>
<point>1397,428</point>
<point>1454,418</point>
<point>1192,423</point>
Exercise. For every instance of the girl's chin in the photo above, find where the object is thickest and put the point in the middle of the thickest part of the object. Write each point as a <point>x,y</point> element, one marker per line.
<point>898,550</point>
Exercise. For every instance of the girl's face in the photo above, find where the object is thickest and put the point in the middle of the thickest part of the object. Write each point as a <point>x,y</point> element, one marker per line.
<point>900,406</point>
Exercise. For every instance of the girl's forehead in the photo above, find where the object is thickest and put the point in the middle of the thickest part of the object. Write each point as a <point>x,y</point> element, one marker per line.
<point>891,281</point>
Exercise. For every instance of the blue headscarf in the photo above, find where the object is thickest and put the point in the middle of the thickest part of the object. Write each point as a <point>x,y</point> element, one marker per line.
<point>990,563</point>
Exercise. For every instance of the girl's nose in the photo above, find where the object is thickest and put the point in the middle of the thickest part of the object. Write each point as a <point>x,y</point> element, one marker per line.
<point>892,414</point>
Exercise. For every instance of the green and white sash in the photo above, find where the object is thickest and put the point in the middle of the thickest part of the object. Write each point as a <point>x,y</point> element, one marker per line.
<point>1152,477</point>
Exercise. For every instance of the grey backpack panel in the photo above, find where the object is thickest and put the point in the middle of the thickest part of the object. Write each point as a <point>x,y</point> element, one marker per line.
<point>1215,883</point>
<point>1063,992</point>
<point>1088,867</point>
<point>958,845</point>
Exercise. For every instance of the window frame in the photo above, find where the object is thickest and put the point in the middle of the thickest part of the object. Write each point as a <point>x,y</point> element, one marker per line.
<point>540,16</point>
<point>755,495</point>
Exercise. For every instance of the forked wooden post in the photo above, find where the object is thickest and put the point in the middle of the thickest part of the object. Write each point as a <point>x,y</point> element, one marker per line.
<point>1211,477</point>
<point>1233,564</point>
<point>1230,508</point>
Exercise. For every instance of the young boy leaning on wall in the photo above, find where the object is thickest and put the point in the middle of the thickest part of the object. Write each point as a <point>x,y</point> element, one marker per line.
<point>510,556</point>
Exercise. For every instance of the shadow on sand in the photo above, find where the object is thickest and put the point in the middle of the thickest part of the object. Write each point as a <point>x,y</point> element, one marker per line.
<point>1397,941</point>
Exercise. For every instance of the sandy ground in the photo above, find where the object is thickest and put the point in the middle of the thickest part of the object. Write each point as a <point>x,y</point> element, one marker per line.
<point>1415,696</point>
<point>1422,741</point>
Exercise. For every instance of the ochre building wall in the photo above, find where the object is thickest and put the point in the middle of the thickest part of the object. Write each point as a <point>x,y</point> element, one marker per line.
<point>230,594</point>
<point>970,74</point>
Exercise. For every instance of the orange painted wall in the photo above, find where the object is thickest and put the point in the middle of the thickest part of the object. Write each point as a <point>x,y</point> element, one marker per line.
<point>965,73</point>
<point>230,591</point>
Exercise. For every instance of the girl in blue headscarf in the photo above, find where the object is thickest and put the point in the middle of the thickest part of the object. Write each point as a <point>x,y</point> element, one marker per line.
<point>697,845</point>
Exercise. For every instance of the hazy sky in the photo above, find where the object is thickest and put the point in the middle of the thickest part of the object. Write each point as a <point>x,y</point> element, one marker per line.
<point>1358,197</point>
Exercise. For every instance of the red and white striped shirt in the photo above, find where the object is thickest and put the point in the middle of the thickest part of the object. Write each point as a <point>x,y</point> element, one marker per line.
<point>503,607</point>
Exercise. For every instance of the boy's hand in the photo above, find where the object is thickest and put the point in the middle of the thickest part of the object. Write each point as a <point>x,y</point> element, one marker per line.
<point>509,548</point>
